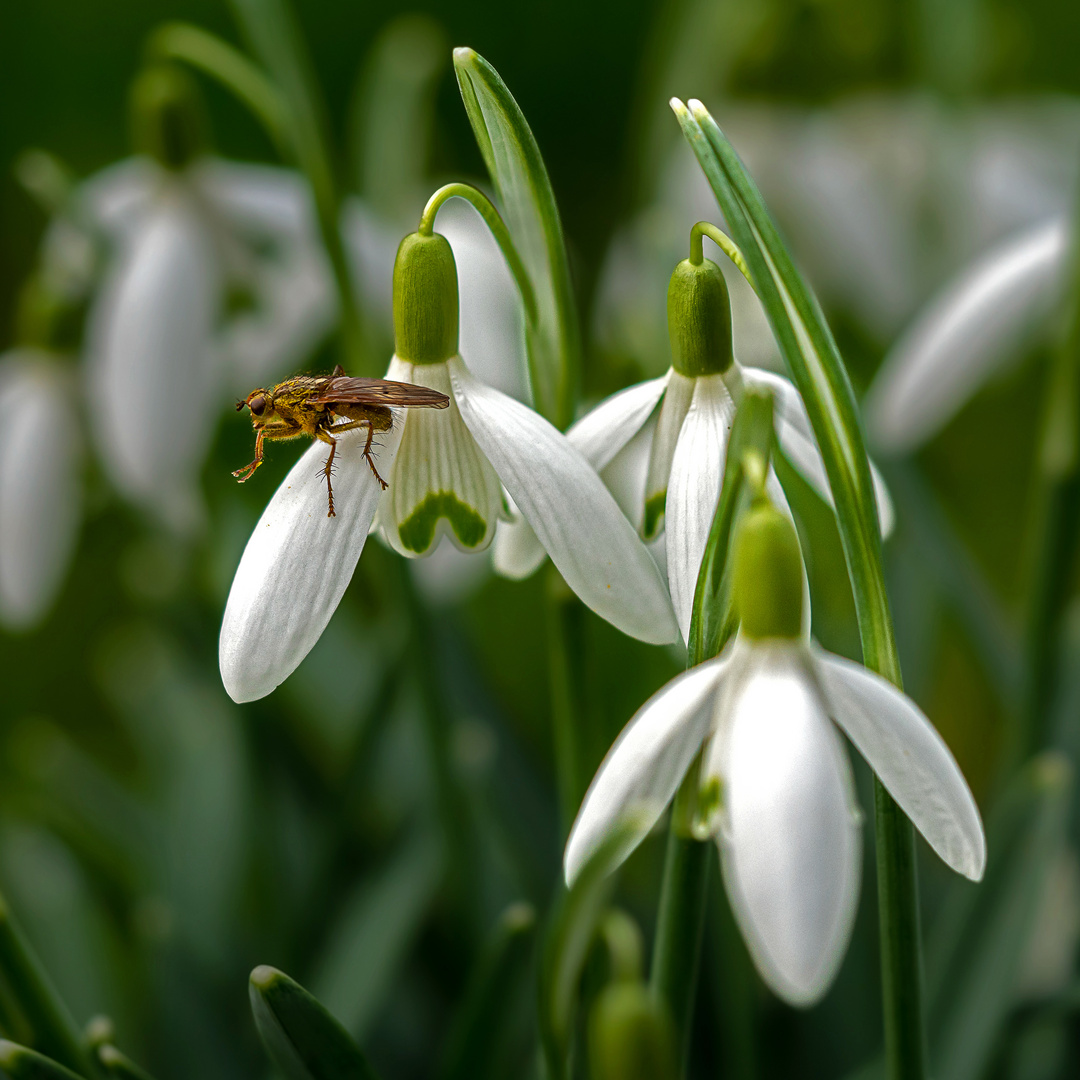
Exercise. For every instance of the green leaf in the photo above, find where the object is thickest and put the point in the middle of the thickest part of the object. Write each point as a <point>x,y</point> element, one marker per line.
<point>378,925</point>
<point>528,206</point>
<point>19,1063</point>
<point>473,1043</point>
<point>301,1038</point>
<point>982,934</point>
<point>54,1028</point>
<point>712,621</point>
<point>567,942</point>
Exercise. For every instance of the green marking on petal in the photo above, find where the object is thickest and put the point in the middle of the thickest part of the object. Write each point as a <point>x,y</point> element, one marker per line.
<point>654,513</point>
<point>418,530</point>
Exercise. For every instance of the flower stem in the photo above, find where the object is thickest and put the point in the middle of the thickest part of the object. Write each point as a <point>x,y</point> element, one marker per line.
<point>722,241</point>
<point>564,644</point>
<point>498,228</point>
<point>680,922</point>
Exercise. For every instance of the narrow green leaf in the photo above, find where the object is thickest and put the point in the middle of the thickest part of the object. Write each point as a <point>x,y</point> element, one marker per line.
<point>982,935</point>
<point>569,936</point>
<point>19,1063</point>
<point>472,1046</point>
<point>712,621</point>
<point>528,206</point>
<point>301,1038</point>
<point>55,1031</point>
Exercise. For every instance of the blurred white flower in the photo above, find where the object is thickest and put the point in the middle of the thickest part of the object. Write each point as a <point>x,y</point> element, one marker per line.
<point>40,488</point>
<point>966,334</point>
<point>166,346</point>
<point>775,792</point>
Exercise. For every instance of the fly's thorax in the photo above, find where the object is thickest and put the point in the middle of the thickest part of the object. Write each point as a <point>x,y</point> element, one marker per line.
<point>768,583</point>
<point>167,117</point>
<point>425,300</point>
<point>699,319</point>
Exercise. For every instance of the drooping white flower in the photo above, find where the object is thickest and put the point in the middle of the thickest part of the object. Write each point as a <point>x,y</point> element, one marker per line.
<point>446,471</point>
<point>40,489</point>
<point>694,405</point>
<point>774,784</point>
<point>966,334</point>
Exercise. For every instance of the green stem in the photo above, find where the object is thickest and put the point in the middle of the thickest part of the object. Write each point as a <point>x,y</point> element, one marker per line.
<point>564,619</point>
<point>901,942</point>
<point>723,242</point>
<point>679,925</point>
<point>498,229</point>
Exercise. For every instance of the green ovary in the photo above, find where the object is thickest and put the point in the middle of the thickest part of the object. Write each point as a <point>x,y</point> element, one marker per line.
<point>654,511</point>
<point>418,530</point>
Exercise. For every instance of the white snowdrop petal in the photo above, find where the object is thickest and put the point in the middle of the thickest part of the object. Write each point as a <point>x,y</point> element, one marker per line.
<point>789,845</point>
<point>442,485</point>
<point>40,496</point>
<point>909,757</point>
<point>678,394</point>
<point>151,376</point>
<point>602,432</point>
<point>646,764</point>
<point>615,438</point>
<point>298,563</point>
<point>575,517</point>
<point>697,471</point>
<point>974,326</point>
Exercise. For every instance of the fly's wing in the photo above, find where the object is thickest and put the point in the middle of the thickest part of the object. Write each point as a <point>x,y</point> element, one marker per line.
<point>342,390</point>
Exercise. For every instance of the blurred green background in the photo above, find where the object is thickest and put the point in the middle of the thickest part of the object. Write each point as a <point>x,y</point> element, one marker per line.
<point>363,827</point>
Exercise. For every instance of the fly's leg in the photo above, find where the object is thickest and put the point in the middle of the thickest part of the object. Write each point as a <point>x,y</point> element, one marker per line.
<point>327,470</point>
<point>367,446</point>
<point>248,470</point>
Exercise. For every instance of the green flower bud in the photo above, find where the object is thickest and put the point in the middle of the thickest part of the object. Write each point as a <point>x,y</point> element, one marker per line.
<point>167,120</point>
<point>768,585</point>
<point>425,300</point>
<point>699,319</point>
<point>630,1035</point>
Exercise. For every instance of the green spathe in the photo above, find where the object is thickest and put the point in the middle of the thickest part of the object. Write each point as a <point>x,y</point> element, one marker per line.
<point>167,121</point>
<point>699,319</point>
<point>425,300</point>
<point>768,574</point>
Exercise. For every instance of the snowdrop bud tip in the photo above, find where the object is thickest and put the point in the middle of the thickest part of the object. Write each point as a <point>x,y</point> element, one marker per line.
<point>425,300</point>
<point>768,574</point>
<point>699,319</point>
<point>166,116</point>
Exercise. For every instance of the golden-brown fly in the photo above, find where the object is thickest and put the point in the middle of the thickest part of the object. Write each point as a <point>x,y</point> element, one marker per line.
<point>313,405</point>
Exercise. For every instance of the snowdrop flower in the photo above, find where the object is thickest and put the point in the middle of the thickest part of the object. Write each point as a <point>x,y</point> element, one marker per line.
<point>164,350</point>
<point>40,489</point>
<point>774,787</point>
<point>694,404</point>
<point>446,471</point>
<point>966,334</point>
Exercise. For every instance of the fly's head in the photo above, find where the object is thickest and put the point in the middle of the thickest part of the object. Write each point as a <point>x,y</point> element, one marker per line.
<point>261,404</point>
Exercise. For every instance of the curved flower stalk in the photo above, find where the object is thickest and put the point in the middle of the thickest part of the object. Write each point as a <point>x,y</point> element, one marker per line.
<point>773,784</point>
<point>166,342</point>
<point>966,334</point>
<point>444,479</point>
<point>694,404</point>
<point>40,488</point>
